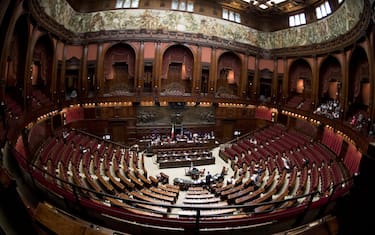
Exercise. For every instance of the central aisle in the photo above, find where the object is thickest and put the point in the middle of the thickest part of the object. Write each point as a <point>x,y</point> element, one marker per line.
<point>153,169</point>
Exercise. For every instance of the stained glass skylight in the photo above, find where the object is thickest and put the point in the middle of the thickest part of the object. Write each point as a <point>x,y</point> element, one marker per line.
<point>264,4</point>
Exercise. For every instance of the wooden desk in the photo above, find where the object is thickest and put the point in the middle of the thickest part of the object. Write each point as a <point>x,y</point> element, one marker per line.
<point>163,192</point>
<point>169,188</point>
<point>199,196</point>
<point>91,181</point>
<point>233,196</point>
<point>125,180</point>
<point>226,187</point>
<point>63,175</point>
<point>77,179</point>
<point>143,178</point>
<point>191,191</point>
<point>154,180</point>
<point>114,181</point>
<point>142,197</point>
<point>158,196</point>
<point>185,163</point>
<point>225,193</point>
<point>135,180</point>
<point>263,198</point>
<point>249,197</point>
<point>157,209</point>
<point>109,188</point>
<point>184,184</point>
<point>201,200</point>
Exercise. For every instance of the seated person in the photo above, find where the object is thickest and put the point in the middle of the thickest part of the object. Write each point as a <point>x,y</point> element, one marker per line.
<point>224,171</point>
<point>231,180</point>
<point>201,172</point>
<point>255,180</point>
<point>286,163</point>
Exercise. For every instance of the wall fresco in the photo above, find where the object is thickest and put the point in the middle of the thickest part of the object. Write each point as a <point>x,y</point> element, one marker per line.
<point>342,21</point>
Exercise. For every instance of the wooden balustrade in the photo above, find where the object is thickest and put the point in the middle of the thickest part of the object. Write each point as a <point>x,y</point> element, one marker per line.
<point>207,213</point>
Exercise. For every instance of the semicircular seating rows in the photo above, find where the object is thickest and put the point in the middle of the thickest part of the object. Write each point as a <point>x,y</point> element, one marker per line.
<point>289,165</point>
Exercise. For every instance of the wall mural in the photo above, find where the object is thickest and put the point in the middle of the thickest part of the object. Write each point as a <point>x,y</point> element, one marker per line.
<point>164,115</point>
<point>342,21</point>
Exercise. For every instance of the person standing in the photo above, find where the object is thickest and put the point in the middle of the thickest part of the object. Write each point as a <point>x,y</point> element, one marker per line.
<point>208,178</point>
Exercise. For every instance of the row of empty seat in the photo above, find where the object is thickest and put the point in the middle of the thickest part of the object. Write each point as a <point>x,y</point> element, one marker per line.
<point>310,167</point>
<point>105,167</point>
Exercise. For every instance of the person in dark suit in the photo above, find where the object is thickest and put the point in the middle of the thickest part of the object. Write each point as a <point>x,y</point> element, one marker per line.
<point>208,178</point>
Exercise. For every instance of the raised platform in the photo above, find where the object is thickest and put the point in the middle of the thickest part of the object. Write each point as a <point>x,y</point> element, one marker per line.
<point>186,163</point>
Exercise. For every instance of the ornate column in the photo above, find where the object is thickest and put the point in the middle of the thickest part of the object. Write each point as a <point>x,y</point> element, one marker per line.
<point>140,66</point>
<point>274,82</point>
<point>371,62</point>
<point>315,82</point>
<point>53,88</point>
<point>345,84</point>
<point>213,72</point>
<point>82,85</point>
<point>157,68</point>
<point>99,70</point>
<point>197,75</point>
<point>243,81</point>
<point>27,86</point>
<point>61,92</point>
<point>285,81</point>
<point>256,82</point>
